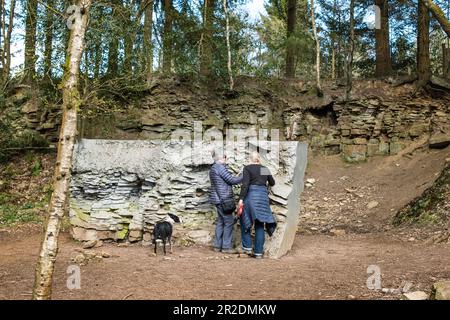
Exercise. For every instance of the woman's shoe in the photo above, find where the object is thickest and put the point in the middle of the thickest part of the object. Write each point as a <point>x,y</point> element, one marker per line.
<point>258,256</point>
<point>217,249</point>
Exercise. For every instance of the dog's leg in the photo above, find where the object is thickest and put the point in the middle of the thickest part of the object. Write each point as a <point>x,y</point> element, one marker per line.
<point>155,246</point>
<point>164,246</point>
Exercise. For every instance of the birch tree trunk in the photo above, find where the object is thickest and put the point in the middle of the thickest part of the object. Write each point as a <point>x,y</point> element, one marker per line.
<point>71,102</point>
<point>227,34</point>
<point>316,38</point>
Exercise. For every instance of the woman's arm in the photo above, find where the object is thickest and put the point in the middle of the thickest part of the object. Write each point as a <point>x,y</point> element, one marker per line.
<point>245,184</point>
<point>271,180</point>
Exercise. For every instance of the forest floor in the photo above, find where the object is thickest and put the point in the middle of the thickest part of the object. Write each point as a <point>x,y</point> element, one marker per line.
<point>340,236</point>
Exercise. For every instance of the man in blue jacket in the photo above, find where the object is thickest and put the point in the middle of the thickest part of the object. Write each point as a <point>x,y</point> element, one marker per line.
<point>221,182</point>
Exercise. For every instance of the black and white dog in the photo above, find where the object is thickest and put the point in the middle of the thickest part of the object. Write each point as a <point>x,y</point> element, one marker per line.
<point>163,231</point>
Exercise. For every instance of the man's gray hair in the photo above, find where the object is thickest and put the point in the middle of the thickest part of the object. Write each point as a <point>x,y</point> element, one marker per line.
<point>217,154</point>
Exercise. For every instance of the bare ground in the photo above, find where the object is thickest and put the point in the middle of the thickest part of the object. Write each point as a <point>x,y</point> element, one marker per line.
<point>320,265</point>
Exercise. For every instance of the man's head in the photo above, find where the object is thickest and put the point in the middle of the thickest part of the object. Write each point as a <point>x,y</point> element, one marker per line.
<point>218,155</point>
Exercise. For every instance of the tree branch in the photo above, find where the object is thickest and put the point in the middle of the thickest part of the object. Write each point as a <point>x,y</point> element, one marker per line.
<point>439,15</point>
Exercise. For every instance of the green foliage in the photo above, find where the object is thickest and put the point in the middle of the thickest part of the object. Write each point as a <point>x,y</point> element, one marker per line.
<point>12,142</point>
<point>12,212</point>
<point>430,207</point>
<point>273,33</point>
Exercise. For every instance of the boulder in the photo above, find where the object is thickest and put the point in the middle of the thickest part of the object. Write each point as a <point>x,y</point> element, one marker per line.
<point>441,290</point>
<point>439,141</point>
<point>90,244</point>
<point>200,236</point>
<point>121,188</point>
<point>354,152</point>
<point>372,204</point>
<point>416,295</point>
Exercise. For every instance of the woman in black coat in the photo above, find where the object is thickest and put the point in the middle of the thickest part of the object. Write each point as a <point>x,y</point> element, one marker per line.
<point>255,197</point>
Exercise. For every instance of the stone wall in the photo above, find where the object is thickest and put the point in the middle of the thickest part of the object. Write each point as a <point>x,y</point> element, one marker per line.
<point>120,188</point>
<point>365,128</point>
<point>381,119</point>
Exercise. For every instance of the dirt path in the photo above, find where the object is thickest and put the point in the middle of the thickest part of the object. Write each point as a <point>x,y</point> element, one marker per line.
<point>340,196</point>
<point>319,267</point>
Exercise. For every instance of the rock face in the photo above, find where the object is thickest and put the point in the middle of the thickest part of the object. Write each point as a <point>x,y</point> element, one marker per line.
<point>121,188</point>
<point>380,120</point>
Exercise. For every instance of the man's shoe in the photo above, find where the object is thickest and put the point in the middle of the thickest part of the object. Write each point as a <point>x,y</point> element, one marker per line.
<point>258,256</point>
<point>217,249</point>
<point>230,251</point>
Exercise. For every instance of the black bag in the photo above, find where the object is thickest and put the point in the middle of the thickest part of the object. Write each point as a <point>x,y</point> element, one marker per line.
<point>228,205</point>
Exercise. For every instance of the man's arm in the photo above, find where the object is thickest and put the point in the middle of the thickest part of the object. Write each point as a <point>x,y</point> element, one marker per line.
<point>228,177</point>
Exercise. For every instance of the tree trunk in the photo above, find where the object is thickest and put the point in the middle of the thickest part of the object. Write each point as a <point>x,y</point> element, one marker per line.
<point>290,51</point>
<point>2,36</point>
<point>128,39</point>
<point>227,34</point>
<point>383,53</point>
<point>423,44</point>
<point>148,47</point>
<point>48,25</point>
<point>206,39</point>
<point>7,43</point>
<point>350,51</point>
<point>445,61</point>
<point>71,102</point>
<point>340,64</point>
<point>30,40</point>
<point>167,36</point>
<point>316,38</point>
<point>333,61</point>
<point>113,50</point>
<point>439,15</point>
<point>98,59</point>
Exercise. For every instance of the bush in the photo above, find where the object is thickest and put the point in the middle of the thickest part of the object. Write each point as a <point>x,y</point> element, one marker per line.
<point>12,143</point>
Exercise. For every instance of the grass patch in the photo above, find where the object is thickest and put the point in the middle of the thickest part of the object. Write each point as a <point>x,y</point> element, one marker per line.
<point>11,214</point>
